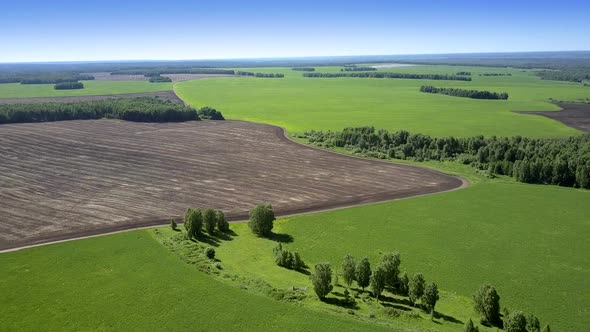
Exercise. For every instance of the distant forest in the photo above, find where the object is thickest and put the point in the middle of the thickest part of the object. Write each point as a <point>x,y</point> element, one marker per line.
<point>390,75</point>
<point>44,78</point>
<point>303,68</point>
<point>263,75</point>
<point>142,109</point>
<point>475,94</point>
<point>564,161</point>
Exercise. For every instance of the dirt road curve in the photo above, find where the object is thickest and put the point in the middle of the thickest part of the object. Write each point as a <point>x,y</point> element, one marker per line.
<point>75,178</point>
<point>575,115</point>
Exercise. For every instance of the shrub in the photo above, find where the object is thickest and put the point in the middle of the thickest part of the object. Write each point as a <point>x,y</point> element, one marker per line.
<point>210,253</point>
<point>209,113</point>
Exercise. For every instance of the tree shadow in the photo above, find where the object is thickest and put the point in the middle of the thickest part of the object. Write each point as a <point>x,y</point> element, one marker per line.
<point>447,318</point>
<point>282,238</point>
<point>389,299</point>
<point>208,239</point>
<point>340,302</point>
<point>395,306</point>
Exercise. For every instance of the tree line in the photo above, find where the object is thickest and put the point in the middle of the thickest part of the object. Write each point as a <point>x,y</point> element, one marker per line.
<point>44,78</point>
<point>303,68</point>
<point>464,73</point>
<point>559,161</point>
<point>159,79</point>
<point>68,86</point>
<point>495,74</point>
<point>475,94</point>
<point>159,71</point>
<point>263,75</point>
<point>355,68</point>
<point>390,75</point>
<point>142,109</point>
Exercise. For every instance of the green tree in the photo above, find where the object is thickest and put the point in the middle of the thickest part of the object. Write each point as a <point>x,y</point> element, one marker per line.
<point>196,223</point>
<point>532,323</point>
<point>378,280</point>
<point>416,288</point>
<point>222,224</point>
<point>404,284</point>
<point>429,298</point>
<point>363,273</point>
<point>487,304</point>
<point>516,322</point>
<point>390,263</point>
<point>261,220</point>
<point>210,220</point>
<point>187,220</point>
<point>348,270</point>
<point>470,327</point>
<point>173,224</point>
<point>210,253</point>
<point>322,280</point>
<point>298,263</point>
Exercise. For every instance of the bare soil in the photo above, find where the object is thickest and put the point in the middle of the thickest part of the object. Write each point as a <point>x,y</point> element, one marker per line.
<point>168,95</point>
<point>69,179</point>
<point>575,115</point>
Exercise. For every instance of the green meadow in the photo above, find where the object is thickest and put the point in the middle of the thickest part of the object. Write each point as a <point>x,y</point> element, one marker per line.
<point>91,88</point>
<point>129,282</point>
<point>301,104</point>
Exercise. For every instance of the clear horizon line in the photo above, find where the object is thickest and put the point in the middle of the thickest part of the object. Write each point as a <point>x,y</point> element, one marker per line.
<point>280,57</point>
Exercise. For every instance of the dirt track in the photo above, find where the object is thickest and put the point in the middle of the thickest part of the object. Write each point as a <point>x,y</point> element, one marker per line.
<point>168,95</point>
<point>68,179</point>
<point>575,115</point>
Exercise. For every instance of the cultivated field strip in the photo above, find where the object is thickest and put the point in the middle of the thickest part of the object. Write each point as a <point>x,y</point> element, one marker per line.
<point>66,179</point>
<point>166,95</point>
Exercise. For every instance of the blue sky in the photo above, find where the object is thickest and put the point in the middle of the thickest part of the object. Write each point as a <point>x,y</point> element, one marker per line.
<point>132,30</point>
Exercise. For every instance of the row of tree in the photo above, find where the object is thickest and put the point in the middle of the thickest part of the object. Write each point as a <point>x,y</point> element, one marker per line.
<point>142,109</point>
<point>390,75</point>
<point>560,161</point>
<point>495,74</point>
<point>355,68</point>
<point>172,70</point>
<point>263,75</point>
<point>303,68</point>
<point>197,220</point>
<point>464,73</point>
<point>44,78</point>
<point>159,79</point>
<point>68,86</point>
<point>486,302</point>
<point>475,94</point>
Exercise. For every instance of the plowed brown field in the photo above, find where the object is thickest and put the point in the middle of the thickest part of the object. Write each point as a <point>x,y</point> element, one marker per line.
<point>73,178</point>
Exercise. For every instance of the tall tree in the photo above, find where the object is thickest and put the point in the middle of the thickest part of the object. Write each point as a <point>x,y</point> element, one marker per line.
<point>222,224</point>
<point>322,280</point>
<point>487,303</point>
<point>363,273</point>
<point>378,280</point>
<point>210,220</point>
<point>430,297</point>
<point>390,264</point>
<point>416,287</point>
<point>516,322</point>
<point>348,270</point>
<point>261,220</point>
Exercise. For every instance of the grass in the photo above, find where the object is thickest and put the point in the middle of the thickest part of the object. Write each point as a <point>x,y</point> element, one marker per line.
<point>301,104</point>
<point>129,282</point>
<point>91,88</point>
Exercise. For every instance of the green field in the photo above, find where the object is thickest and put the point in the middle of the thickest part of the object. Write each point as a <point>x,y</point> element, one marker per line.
<point>91,88</point>
<point>129,282</point>
<point>301,104</point>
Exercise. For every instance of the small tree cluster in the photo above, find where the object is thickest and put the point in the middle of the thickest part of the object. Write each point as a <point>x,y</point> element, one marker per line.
<point>476,94</point>
<point>209,113</point>
<point>68,85</point>
<point>287,259</point>
<point>195,220</point>
<point>261,220</point>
